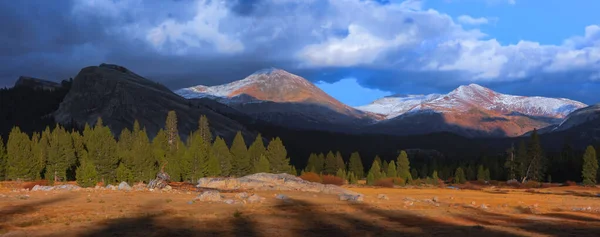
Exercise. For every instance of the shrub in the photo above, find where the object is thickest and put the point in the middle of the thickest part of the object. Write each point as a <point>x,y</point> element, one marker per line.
<point>385,182</point>
<point>417,182</point>
<point>571,183</point>
<point>330,179</point>
<point>399,181</point>
<point>532,184</point>
<point>311,177</point>
<point>470,186</point>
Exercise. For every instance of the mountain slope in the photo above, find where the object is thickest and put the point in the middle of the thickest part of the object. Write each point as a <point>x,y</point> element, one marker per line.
<point>470,110</point>
<point>120,96</point>
<point>279,97</point>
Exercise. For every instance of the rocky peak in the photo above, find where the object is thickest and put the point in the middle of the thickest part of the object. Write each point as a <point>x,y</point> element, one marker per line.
<point>36,83</point>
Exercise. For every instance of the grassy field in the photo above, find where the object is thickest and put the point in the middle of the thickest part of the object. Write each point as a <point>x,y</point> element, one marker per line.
<point>407,212</point>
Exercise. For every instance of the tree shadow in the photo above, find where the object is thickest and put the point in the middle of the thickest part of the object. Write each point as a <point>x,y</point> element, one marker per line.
<point>9,212</point>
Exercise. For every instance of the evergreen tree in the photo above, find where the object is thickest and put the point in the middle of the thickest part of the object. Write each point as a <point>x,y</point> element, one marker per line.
<point>435,177</point>
<point>339,162</point>
<point>221,152</point>
<point>293,170</point>
<point>277,156</point>
<point>378,159</point>
<point>352,178</point>
<point>124,145</point>
<point>102,150</point>
<point>590,166</point>
<point>355,165</point>
<point>535,159</point>
<point>414,173</point>
<point>391,170</point>
<point>370,178</point>
<point>204,129</point>
<point>521,158</point>
<point>124,174</point>
<point>79,146</point>
<point>320,163</point>
<point>480,173</point>
<point>403,168</point>
<point>330,164</point>
<point>213,168</point>
<point>310,165</point>
<point>171,129</point>
<point>239,152</point>
<point>459,176</point>
<point>3,158</point>
<point>375,170</point>
<point>511,164</point>
<point>341,173</point>
<point>20,156</point>
<point>86,174</point>
<point>263,165</point>
<point>61,155</point>
<point>384,168</point>
<point>40,148</point>
<point>470,173</point>
<point>143,166</point>
<point>486,175</point>
<point>195,160</point>
<point>424,172</point>
<point>256,150</point>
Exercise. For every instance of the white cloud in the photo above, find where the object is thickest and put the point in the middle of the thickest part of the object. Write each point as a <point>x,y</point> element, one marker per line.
<point>468,20</point>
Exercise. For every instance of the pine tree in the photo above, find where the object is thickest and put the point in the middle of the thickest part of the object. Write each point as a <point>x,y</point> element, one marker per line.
<point>320,163</point>
<point>61,155</point>
<point>414,173</point>
<point>330,164</point>
<point>124,174</point>
<point>352,178</point>
<point>310,165</point>
<point>470,173</point>
<point>521,158</point>
<point>391,170</point>
<point>384,168</point>
<point>213,168</point>
<point>102,150</point>
<point>590,166</point>
<point>3,158</point>
<point>375,170</point>
<point>239,152</point>
<point>256,150</point>
<point>378,159</point>
<point>403,168</point>
<point>293,170</point>
<point>19,156</point>
<point>339,162</point>
<point>204,129</point>
<point>355,165</point>
<point>459,176</point>
<point>125,147</point>
<point>40,148</point>
<point>511,164</point>
<point>424,172</point>
<point>277,155</point>
<point>144,166</point>
<point>486,175</point>
<point>480,173</point>
<point>535,159</point>
<point>195,160</point>
<point>435,176</point>
<point>341,173</point>
<point>171,129</point>
<point>160,148</point>
<point>370,179</point>
<point>86,174</point>
<point>221,152</point>
<point>263,165</point>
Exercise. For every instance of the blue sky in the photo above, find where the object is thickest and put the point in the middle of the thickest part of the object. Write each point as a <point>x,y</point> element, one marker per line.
<point>356,50</point>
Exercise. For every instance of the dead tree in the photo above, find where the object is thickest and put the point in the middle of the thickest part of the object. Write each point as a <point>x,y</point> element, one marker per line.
<point>162,179</point>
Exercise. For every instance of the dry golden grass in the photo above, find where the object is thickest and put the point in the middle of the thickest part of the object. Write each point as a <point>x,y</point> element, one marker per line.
<point>408,212</point>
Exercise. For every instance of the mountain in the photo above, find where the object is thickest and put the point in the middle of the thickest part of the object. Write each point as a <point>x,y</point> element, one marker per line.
<point>582,126</point>
<point>120,96</point>
<point>279,97</point>
<point>36,83</point>
<point>470,110</point>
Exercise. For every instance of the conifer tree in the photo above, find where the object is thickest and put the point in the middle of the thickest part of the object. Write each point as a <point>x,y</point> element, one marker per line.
<point>535,159</point>
<point>194,163</point>
<point>213,168</point>
<point>424,172</point>
<point>486,175</point>
<point>355,165</point>
<point>339,162</point>
<point>391,170</point>
<point>341,173</point>
<point>435,176</point>
<point>320,163</point>
<point>511,164</point>
<point>144,166</point>
<point>160,147</point>
<point>20,156</point>
<point>124,174</point>
<point>239,152</point>
<point>61,155</point>
<point>263,165</point>
<point>521,158</point>
<point>378,159</point>
<point>3,158</point>
<point>125,147</point>
<point>256,150</point>
<point>459,176</point>
<point>79,146</point>
<point>86,174</point>
<point>330,164</point>
<point>470,173</point>
<point>370,179</point>
<point>220,152</point>
<point>102,150</point>
<point>375,170</point>
<point>352,178</point>
<point>176,148</point>
<point>384,167</point>
<point>590,166</point>
<point>292,170</point>
<point>204,129</point>
<point>403,168</point>
<point>310,165</point>
<point>414,173</point>
<point>40,148</point>
<point>171,129</point>
<point>480,173</point>
<point>277,155</point>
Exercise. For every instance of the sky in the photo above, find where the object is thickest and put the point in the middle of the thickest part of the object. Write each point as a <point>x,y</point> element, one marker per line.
<point>355,50</point>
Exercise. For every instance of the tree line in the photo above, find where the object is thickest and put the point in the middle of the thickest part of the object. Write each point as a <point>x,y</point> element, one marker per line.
<point>95,155</point>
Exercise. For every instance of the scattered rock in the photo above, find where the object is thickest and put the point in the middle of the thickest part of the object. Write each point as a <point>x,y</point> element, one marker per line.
<point>352,198</point>
<point>168,188</point>
<point>124,186</point>
<point>23,197</point>
<point>582,209</point>
<point>255,199</point>
<point>210,196</point>
<point>452,187</point>
<point>42,188</point>
<point>243,195</point>
<point>229,201</point>
<point>58,187</point>
<point>483,206</point>
<point>382,196</point>
<point>281,197</point>
<point>111,187</point>
<point>139,187</point>
<point>190,202</point>
<point>435,199</point>
<point>161,181</point>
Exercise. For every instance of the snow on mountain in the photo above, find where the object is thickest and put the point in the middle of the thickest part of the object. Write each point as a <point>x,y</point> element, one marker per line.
<point>473,96</point>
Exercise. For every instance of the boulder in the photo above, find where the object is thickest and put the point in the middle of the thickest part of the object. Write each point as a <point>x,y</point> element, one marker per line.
<point>351,198</point>
<point>210,196</point>
<point>242,195</point>
<point>124,186</point>
<point>255,199</point>
<point>111,187</point>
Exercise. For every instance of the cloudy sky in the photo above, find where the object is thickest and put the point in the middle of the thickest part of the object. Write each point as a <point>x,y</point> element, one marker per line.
<point>356,50</point>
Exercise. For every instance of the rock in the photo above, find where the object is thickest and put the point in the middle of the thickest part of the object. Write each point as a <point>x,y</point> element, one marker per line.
<point>124,186</point>
<point>210,196</point>
<point>473,203</point>
<point>190,202</point>
<point>281,197</point>
<point>382,197</point>
<point>67,187</point>
<point>255,199</point>
<point>271,182</point>
<point>435,199</point>
<point>483,206</point>
<point>408,203</point>
<point>351,198</point>
<point>243,195</point>
<point>409,199</point>
<point>111,187</point>
<point>139,187</point>
<point>42,188</point>
<point>168,188</point>
<point>229,201</point>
